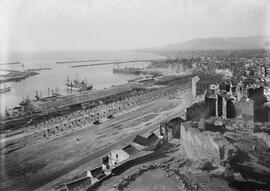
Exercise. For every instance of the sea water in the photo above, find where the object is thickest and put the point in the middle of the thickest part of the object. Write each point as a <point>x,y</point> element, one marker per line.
<point>100,76</point>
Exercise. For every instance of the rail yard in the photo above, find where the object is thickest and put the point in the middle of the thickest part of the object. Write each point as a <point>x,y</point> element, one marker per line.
<point>95,128</point>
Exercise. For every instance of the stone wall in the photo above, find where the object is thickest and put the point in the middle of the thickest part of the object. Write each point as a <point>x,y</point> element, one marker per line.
<point>202,145</point>
<point>244,109</point>
<point>194,81</point>
<point>196,111</point>
<point>265,137</point>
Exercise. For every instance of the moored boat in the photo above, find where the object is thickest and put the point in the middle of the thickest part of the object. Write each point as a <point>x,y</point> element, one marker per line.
<point>78,86</point>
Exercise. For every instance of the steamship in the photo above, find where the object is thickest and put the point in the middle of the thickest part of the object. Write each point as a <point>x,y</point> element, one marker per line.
<point>78,86</point>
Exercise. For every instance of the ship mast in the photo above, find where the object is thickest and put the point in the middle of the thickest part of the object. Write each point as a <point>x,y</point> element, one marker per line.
<point>23,67</point>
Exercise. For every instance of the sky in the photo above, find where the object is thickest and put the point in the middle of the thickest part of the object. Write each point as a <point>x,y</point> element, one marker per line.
<point>125,24</point>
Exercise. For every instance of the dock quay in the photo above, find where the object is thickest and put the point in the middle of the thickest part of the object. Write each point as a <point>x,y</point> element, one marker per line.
<point>135,71</point>
<point>43,110</point>
<point>61,105</point>
<point>60,125</point>
<point>16,76</point>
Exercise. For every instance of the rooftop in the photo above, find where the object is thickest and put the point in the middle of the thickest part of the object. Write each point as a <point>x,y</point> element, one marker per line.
<point>141,140</point>
<point>131,150</point>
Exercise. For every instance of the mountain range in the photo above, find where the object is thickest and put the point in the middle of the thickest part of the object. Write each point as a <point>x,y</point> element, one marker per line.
<point>219,43</point>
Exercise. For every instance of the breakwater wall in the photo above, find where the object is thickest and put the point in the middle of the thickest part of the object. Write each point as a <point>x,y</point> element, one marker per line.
<point>83,118</point>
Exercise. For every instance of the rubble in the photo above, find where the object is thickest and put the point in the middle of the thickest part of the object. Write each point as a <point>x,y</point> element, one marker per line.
<point>252,164</point>
<point>265,137</point>
<point>234,155</point>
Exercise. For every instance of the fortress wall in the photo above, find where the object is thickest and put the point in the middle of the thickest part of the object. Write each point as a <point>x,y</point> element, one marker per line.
<point>202,145</point>
<point>195,111</point>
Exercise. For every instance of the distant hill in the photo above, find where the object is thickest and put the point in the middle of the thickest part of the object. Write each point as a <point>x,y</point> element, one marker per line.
<point>218,43</point>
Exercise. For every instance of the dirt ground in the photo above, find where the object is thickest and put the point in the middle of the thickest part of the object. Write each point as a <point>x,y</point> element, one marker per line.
<point>163,179</point>
<point>153,180</point>
<point>41,165</point>
<point>158,180</point>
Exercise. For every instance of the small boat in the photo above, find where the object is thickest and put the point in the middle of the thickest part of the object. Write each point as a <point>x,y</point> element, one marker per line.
<point>5,89</point>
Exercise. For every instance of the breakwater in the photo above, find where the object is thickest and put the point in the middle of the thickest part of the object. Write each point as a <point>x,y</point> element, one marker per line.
<point>9,63</point>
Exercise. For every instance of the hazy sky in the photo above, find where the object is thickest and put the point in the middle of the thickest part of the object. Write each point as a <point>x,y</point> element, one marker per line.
<point>125,24</point>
